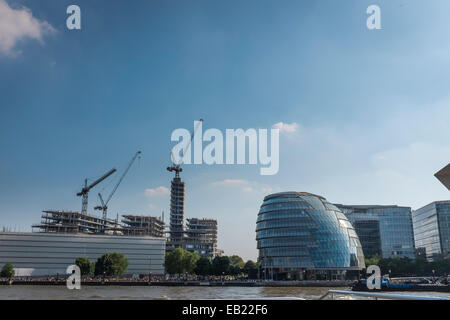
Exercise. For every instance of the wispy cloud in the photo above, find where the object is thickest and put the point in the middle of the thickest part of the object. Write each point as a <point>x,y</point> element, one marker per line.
<point>289,130</point>
<point>243,185</point>
<point>16,25</point>
<point>159,191</point>
<point>230,182</point>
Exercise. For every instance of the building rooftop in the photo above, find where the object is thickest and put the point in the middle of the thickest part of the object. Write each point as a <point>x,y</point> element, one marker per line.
<point>375,206</point>
<point>291,194</point>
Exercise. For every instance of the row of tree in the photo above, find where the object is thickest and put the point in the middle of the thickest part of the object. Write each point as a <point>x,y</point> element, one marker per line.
<point>109,264</point>
<point>181,261</point>
<point>408,267</point>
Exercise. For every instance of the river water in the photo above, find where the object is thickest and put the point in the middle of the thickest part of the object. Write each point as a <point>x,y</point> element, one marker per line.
<point>174,293</point>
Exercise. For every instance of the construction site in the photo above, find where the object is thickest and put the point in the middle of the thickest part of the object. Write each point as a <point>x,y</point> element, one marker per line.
<point>199,235</point>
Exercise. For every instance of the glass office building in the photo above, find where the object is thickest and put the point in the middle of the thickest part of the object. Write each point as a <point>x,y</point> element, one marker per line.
<point>432,230</point>
<point>302,236</point>
<point>383,230</point>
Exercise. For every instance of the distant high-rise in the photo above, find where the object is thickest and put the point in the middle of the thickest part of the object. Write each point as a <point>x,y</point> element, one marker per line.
<point>383,230</point>
<point>432,230</point>
<point>177,191</point>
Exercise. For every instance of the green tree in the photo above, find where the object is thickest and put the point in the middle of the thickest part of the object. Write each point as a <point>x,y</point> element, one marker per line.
<point>374,260</point>
<point>235,260</point>
<point>190,261</point>
<point>181,261</point>
<point>203,267</point>
<point>111,264</point>
<point>174,261</point>
<point>85,265</point>
<point>7,271</point>
<point>234,270</point>
<point>220,265</point>
<point>249,265</point>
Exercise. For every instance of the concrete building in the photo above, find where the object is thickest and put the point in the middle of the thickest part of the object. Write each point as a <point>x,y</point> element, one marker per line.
<point>199,235</point>
<point>177,192</point>
<point>432,230</point>
<point>143,226</point>
<point>383,230</point>
<point>42,254</point>
<point>202,236</point>
<point>53,221</point>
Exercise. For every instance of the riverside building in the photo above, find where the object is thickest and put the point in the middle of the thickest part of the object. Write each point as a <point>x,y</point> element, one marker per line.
<point>43,254</point>
<point>386,231</point>
<point>302,236</point>
<point>432,230</point>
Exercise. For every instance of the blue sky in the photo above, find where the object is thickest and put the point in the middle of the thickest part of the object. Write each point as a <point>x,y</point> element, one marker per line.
<point>366,113</point>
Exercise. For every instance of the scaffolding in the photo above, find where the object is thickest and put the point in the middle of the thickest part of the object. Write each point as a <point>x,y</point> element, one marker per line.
<point>53,221</point>
<point>143,226</point>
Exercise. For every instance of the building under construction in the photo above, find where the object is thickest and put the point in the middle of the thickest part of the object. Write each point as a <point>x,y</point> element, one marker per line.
<point>133,225</point>
<point>75,222</point>
<point>200,235</point>
<point>177,193</point>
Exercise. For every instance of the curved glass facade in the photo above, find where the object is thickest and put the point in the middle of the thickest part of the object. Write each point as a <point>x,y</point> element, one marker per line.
<point>300,235</point>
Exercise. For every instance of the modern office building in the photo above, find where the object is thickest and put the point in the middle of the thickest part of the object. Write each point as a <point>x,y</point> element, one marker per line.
<point>143,226</point>
<point>383,230</point>
<point>303,236</point>
<point>42,254</point>
<point>432,230</point>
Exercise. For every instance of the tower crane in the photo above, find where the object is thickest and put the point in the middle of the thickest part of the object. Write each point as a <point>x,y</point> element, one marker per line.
<point>84,192</point>
<point>176,166</point>
<point>104,206</point>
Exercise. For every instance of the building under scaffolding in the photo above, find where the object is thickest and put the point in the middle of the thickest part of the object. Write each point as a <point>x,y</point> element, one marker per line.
<point>75,222</point>
<point>202,236</point>
<point>143,226</point>
<point>199,236</point>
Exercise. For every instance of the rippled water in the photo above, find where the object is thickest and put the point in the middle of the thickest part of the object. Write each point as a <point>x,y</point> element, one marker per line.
<point>155,292</point>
